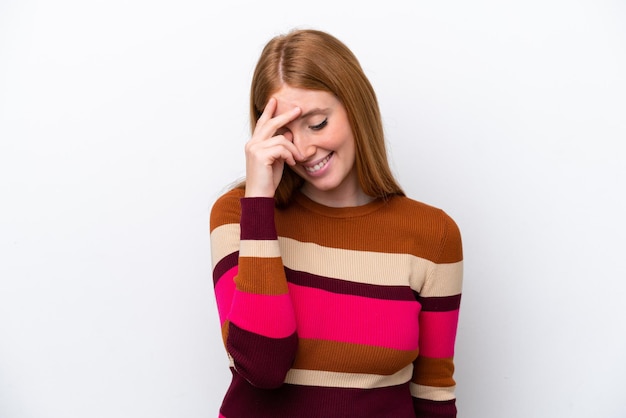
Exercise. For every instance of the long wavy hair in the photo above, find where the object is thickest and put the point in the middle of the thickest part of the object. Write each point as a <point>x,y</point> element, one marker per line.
<point>315,60</point>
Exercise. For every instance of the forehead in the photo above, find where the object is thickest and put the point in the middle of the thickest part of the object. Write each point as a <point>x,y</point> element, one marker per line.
<point>290,97</point>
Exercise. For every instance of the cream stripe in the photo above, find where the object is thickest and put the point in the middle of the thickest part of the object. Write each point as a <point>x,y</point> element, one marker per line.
<point>445,280</point>
<point>369,267</point>
<point>224,241</point>
<point>356,266</point>
<point>383,269</point>
<point>347,380</point>
<point>432,393</point>
<point>259,248</point>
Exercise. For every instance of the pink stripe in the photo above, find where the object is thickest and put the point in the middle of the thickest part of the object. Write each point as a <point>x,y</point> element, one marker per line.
<point>355,319</point>
<point>437,333</point>
<point>224,290</point>
<point>271,316</point>
<point>221,416</point>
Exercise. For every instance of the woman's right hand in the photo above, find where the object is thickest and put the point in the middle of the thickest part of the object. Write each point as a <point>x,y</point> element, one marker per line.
<point>268,151</point>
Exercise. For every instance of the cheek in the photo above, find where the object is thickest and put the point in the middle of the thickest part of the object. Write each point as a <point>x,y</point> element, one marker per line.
<point>341,138</point>
<point>347,141</point>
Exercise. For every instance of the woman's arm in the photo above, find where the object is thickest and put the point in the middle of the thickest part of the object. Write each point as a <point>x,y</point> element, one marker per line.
<point>255,310</point>
<point>433,384</point>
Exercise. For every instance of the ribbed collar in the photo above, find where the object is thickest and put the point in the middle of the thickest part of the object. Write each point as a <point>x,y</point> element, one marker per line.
<point>332,212</point>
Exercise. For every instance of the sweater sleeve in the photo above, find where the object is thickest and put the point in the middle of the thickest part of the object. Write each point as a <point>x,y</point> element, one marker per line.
<point>254,306</point>
<point>433,385</point>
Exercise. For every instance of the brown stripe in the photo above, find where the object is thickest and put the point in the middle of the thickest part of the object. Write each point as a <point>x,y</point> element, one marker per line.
<point>434,372</point>
<point>225,326</point>
<point>400,226</point>
<point>343,357</point>
<point>452,250</point>
<point>226,209</point>
<point>266,276</point>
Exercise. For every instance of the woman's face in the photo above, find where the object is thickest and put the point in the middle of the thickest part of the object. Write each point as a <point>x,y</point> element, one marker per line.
<point>323,135</point>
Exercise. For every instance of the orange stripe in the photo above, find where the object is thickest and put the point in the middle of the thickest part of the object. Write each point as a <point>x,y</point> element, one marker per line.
<point>434,372</point>
<point>266,276</point>
<point>225,331</point>
<point>226,209</point>
<point>400,226</point>
<point>350,358</point>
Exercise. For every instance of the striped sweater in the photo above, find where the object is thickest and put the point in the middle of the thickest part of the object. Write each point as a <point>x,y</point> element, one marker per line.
<point>336,312</point>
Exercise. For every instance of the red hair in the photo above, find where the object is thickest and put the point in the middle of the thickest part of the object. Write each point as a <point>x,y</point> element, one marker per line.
<point>315,60</point>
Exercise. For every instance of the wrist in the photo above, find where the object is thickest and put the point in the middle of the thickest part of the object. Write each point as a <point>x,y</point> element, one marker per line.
<point>251,191</point>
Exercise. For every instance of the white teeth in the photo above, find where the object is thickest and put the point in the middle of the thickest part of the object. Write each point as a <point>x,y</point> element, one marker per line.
<point>319,165</point>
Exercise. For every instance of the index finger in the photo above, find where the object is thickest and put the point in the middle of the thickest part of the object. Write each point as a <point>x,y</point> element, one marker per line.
<point>268,110</point>
<point>269,119</point>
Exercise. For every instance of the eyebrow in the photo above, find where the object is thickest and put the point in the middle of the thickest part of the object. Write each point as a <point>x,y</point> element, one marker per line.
<point>312,112</point>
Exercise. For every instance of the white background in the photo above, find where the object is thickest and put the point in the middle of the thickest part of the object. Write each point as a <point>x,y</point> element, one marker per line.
<point>121,122</point>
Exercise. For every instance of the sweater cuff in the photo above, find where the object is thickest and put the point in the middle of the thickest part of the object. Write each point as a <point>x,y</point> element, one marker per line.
<point>257,218</point>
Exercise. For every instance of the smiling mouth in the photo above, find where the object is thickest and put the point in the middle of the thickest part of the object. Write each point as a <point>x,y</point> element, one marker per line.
<point>317,167</point>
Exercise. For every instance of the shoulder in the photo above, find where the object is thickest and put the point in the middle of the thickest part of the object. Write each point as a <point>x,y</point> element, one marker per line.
<point>434,222</point>
<point>406,206</point>
<point>227,208</point>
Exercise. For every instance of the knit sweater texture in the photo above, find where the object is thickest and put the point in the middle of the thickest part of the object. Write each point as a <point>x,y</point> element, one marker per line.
<point>337,312</point>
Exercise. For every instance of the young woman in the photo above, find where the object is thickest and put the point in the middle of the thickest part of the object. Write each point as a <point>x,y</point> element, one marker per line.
<point>338,296</point>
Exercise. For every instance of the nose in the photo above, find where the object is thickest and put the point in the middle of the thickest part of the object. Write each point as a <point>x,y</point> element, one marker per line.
<point>306,148</point>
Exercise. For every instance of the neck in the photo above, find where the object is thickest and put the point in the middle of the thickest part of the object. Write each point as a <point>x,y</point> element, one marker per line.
<point>337,200</point>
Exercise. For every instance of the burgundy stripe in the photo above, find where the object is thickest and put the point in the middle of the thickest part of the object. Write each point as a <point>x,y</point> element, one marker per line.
<point>350,288</point>
<point>434,409</point>
<point>440,304</point>
<point>224,265</point>
<point>257,218</point>
<point>289,401</point>
<point>262,360</point>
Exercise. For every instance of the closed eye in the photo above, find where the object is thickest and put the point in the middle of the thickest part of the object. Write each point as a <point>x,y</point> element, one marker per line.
<point>319,126</point>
